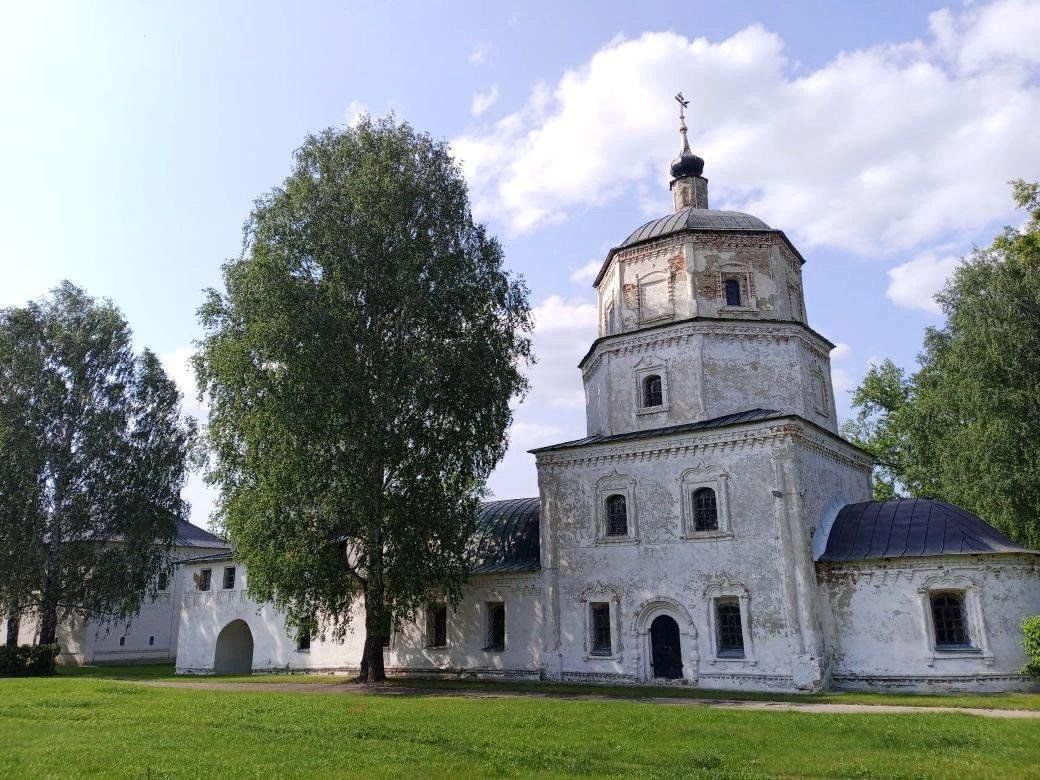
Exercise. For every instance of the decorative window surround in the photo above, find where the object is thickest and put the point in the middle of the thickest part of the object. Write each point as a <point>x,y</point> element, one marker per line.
<point>727,588</point>
<point>965,587</point>
<point>747,291</point>
<point>649,366</point>
<point>710,477</point>
<point>655,297</point>
<point>601,594</point>
<point>818,389</point>
<point>610,485</point>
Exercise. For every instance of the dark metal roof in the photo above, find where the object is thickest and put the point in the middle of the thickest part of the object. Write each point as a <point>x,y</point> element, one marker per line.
<point>507,538</point>
<point>911,527</point>
<point>694,219</point>
<point>189,535</point>
<point>751,415</point>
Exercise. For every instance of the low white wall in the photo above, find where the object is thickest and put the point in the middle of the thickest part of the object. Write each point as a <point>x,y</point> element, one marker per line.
<point>879,622</point>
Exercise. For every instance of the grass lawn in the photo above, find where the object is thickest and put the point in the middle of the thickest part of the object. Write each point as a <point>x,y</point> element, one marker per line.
<point>79,725</point>
<point>1009,701</point>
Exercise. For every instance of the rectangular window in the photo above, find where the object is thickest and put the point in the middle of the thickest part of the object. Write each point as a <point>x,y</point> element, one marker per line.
<point>437,625</point>
<point>496,626</point>
<point>229,577</point>
<point>163,581</point>
<point>728,628</point>
<point>303,642</point>
<point>599,615</point>
<point>205,579</point>
<point>151,641</point>
<point>948,619</point>
<point>122,641</point>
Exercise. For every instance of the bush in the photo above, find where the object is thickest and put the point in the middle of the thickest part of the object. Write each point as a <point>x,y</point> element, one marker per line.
<point>27,660</point>
<point>1031,643</point>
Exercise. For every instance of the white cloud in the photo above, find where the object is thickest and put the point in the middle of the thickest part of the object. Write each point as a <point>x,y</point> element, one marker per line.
<point>586,273</point>
<point>842,380</point>
<point>355,111</point>
<point>841,351</point>
<point>913,284</point>
<point>482,101</point>
<point>563,332</point>
<point>880,149</point>
<point>480,53</point>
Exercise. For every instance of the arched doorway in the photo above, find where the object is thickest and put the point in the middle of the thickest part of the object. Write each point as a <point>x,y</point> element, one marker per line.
<point>234,653</point>
<point>665,648</point>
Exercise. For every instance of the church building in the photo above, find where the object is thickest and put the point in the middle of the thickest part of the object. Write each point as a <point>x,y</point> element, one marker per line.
<point>712,528</point>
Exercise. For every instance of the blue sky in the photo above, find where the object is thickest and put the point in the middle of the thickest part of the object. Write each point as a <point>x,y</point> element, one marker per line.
<point>878,136</point>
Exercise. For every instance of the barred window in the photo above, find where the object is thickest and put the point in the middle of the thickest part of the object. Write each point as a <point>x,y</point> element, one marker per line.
<point>948,618</point>
<point>732,287</point>
<point>617,515</point>
<point>705,510</point>
<point>652,394</point>
<point>204,579</point>
<point>600,620</point>
<point>728,628</point>
<point>437,625</point>
<point>496,626</point>
<point>229,577</point>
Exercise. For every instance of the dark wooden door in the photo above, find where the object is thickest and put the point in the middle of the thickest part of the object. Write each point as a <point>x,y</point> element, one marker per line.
<point>665,648</point>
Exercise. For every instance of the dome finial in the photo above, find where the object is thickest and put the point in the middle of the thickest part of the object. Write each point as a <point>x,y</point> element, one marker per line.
<point>687,163</point>
<point>683,103</point>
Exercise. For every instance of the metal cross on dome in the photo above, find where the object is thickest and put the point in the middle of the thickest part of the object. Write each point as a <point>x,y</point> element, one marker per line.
<point>683,103</point>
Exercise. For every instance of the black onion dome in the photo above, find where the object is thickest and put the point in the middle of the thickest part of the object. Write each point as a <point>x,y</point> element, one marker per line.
<point>687,164</point>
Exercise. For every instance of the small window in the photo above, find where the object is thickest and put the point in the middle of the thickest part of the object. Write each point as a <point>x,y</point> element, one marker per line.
<point>437,625</point>
<point>122,641</point>
<point>617,516</point>
<point>229,577</point>
<point>652,391</point>
<point>496,626</point>
<point>948,618</point>
<point>151,641</point>
<point>705,510</point>
<point>205,579</point>
<point>599,614</point>
<point>730,632</point>
<point>303,642</point>
<point>163,580</point>
<point>732,287</point>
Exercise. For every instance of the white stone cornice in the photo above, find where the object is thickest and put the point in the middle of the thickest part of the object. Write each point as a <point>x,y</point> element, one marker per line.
<point>660,337</point>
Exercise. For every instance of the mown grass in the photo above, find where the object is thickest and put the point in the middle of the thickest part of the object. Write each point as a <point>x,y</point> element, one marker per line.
<point>1010,701</point>
<point>72,726</point>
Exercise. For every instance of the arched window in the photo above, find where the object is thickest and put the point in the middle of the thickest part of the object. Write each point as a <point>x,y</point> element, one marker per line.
<point>617,516</point>
<point>652,395</point>
<point>705,510</point>
<point>732,287</point>
<point>948,619</point>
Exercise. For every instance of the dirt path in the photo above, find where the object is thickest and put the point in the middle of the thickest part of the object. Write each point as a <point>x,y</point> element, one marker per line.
<point>729,704</point>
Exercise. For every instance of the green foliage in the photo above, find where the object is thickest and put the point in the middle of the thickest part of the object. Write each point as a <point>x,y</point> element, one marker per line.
<point>27,660</point>
<point>93,455</point>
<point>1031,644</point>
<point>360,365</point>
<point>966,427</point>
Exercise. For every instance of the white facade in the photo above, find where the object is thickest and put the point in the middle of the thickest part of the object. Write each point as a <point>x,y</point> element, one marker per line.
<point>687,539</point>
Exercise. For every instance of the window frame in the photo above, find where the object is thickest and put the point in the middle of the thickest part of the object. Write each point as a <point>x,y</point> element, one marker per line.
<point>743,279</point>
<point>728,590</point>
<point>653,397</point>
<point>233,572</point>
<point>616,504</point>
<point>690,482</point>
<point>303,642</point>
<point>725,648</point>
<point>493,644</point>
<point>616,484</point>
<point>699,497</point>
<point>598,610</point>
<point>204,584</point>
<point>162,581</point>
<point>431,630</point>
<point>643,370</point>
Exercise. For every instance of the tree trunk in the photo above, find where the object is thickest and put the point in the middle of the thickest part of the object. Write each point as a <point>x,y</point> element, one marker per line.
<point>372,669</point>
<point>48,612</point>
<point>12,626</point>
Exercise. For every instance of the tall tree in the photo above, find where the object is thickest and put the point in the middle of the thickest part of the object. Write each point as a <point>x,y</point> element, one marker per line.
<point>966,426</point>
<point>360,365</point>
<point>93,455</point>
